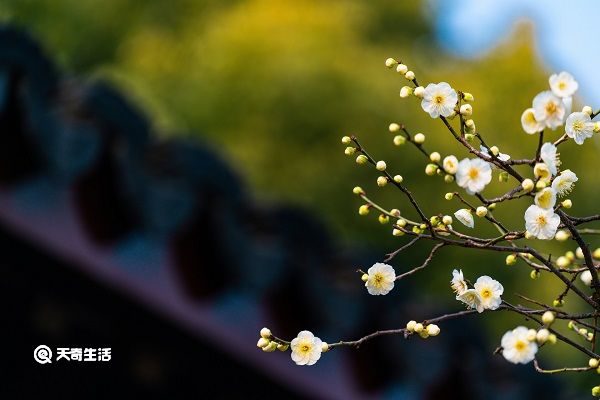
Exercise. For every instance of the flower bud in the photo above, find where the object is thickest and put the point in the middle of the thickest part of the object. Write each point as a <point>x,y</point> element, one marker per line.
<point>528,235</point>
<point>418,327</point>
<point>596,391</point>
<point>346,140</point>
<point>265,333</point>
<point>410,325</point>
<point>363,210</point>
<point>579,253</point>
<point>466,110</point>
<point>534,274</point>
<point>448,178</point>
<point>481,211</point>
<point>541,171</point>
<point>596,127</point>
<point>399,140</point>
<point>586,278</point>
<point>571,325</point>
<point>548,318</point>
<point>401,223</point>
<point>390,62</point>
<point>382,181</point>
<point>282,347</point>
<point>467,96</point>
<point>562,235</point>
<point>542,336</point>
<point>567,204</point>
<point>447,220</point>
<point>394,127</point>
<point>539,185</point>
<point>587,110</point>
<point>435,157</point>
<point>271,347</point>
<point>557,303</point>
<point>511,259</point>
<point>397,232</point>
<point>469,137</point>
<point>364,277</point>
<point>419,138</point>
<point>361,159</point>
<point>262,343</point>
<point>380,166</point>
<point>583,331</point>
<point>383,219</point>
<point>562,262</point>
<point>405,91</point>
<point>398,178</point>
<point>449,196</point>
<point>424,334</point>
<point>324,347</point>
<point>409,75</point>
<point>350,151</point>
<point>431,169</point>
<point>470,124</point>
<point>593,363</point>
<point>433,330</point>
<point>418,92</point>
<point>395,212</point>
<point>401,69</point>
<point>570,255</point>
<point>531,334</point>
<point>527,185</point>
<point>552,338</point>
<point>503,177</point>
<point>596,253</point>
<point>358,190</point>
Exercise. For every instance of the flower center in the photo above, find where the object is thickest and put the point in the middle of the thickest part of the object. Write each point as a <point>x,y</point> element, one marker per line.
<point>486,293</point>
<point>520,345</point>
<point>541,220</point>
<point>473,173</point>
<point>578,126</point>
<point>378,278</point>
<point>305,348</point>
<point>439,99</point>
<point>562,85</point>
<point>551,107</point>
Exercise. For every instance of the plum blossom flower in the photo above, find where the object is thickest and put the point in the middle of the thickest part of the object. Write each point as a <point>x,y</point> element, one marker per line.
<point>465,217</point>
<point>450,164</point>
<point>541,223</point>
<point>563,184</point>
<point>306,348</point>
<point>579,126</point>
<point>473,174</point>
<point>542,172</point>
<point>381,279</point>
<point>516,346</point>
<point>549,156</point>
<point>489,291</point>
<point>529,123</point>
<point>458,283</point>
<point>546,198</point>
<point>472,299</point>
<point>439,99</point>
<point>563,84</point>
<point>549,109</point>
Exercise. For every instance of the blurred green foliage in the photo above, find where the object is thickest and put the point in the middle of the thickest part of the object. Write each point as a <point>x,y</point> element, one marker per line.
<point>275,84</point>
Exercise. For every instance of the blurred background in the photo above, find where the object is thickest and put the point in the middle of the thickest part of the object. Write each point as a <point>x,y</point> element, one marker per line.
<point>172,180</point>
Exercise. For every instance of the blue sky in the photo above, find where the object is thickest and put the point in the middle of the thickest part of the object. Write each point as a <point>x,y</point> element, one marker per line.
<point>567,33</point>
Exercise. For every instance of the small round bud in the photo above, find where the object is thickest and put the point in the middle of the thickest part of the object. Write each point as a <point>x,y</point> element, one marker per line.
<point>395,212</point>
<point>418,92</point>
<point>434,220</point>
<point>419,138</point>
<point>495,150</point>
<point>394,127</point>
<point>265,333</point>
<point>383,219</point>
<point>481,211</point>
<point>398,179</point>
<point>405,91</point>
<point>492,207</point>
<point>552,338</point>
<point>531,334</point>
<point>562,262</point>
<point>558,303</point>
<point>469,137</point>
<point>596,253</point>
<point>382,181</point>
<point>449,196</point>
<point>579,253</point>
<point>447,220</point>
<point>534,274</point>
<point>527,185</point>
<point>593,363</point>
<point>567,204</point>
<point>262,343</point>
<point>399,140</point>
<point>401,223</point>
<point>571,256</point>
<point>586,278</point>
<point>364,277</point>
<point>409,75</point>
<point>596,127</point>
<point>571,325</point>
<point>583,331</point>
<point>282,347</point>
<point>364,209</point>
<point>542,336</point>
<point>346,140</point>
<point>511,259</point>
<point>528,235</point>
<point>271,347</point>
<point>381,166</point>
<point>431,169</point>
<point>424,334</point>
<point>548,318</point>
<point>539,185</point>
<point>596,390</point>
<point>587,110</point>
<point>598,370</point>
<point>397,232</point>
<point>361,159</point>
<point>401,69</point>
<point>466,110</point>
<point>467,96</point>
<point>448,178</point>
<point>350,151</point>
<point>324,347</point>
<point>433,330</point>
<point>470,123</point>
<point>503,177</point>
<point>410,326</point>
<point>435,157</point>
<point>418,327</point>
<point>390,62</point>
<point>562,235</point>
<point>358,190</point>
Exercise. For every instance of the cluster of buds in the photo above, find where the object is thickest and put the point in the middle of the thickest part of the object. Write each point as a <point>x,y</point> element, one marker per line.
<point>268,343</point>
<point>423,331</point>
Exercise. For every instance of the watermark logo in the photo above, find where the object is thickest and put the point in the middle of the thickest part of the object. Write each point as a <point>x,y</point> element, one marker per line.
<point>43,354</point>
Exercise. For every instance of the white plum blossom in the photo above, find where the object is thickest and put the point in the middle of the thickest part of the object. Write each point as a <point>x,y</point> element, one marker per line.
<point>465,217</point>
<point>458,283</point>
<point>546,198</point>
<point>501,156</point>
<point>439,99</point>
<point>541,223</point>
<point>306,348</point>
<point>549,156</point>
<point>381,279</point>
<point>489,291</point>
<point>563,84</point>
<point>549,109</point>
<point>563,184</point>
<point>472,299</point>
<point>586,278</point>
<point>516,346</point>
<point>450,164</point>
<point>473,174</point>
<point>541,171</point>
<point>529,123</point>
<point>579,126</point>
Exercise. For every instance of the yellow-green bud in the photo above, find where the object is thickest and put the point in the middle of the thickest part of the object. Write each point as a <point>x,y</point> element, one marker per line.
<point>527,185</point>
<point>410,326</point>
<point>262,343</point>
<point>265,333</point>
<point>433,330</point>
<point>382,181</point>
<point>596,127</point>
<point>587,110</point>
<point>469,137</point>
<point>324,347</point>
<point>511,259</point>
<point>449,196</point>
<point>394,127</point>
<point>562,262</point>
<point>397,232</point>
<point>447,220</point>
<point>424,334</point>
<point>495,150</point>
<point>558,303</point>
<point>434,220</point>
<point>399,140</point>
<point>593,363</point>
<point>364,209</point>
<point>401,223</point>
<point>596,253</point>
<point>346,140</point>
<point>562,235</point>
<point>492,207</point>
<point>503,177</point>
<point>539,185</point>
<point>571,325</point>
<point>350,151</point>
<point>271,347</point>
<point>466,110</point>
<point>552,338</point>
<point>380,166</point>
<point>435,157</point>
<point>418,327</point>
<point>596,390</point>
<point>395,212</point>
<point>401,69</point>
<point>470,124</point>
<point>542,336</point>
<point>578,253</point>
<point>567,203</point>
<point>405,91</point>
<point>390,62</point>
<point>419,138</point>
<point>583,331</point>
<point>361,159</point>
<point>481,211</point>
<point>418,92</point>
<point>358,190</point>
<point>383,219</point>
<point>409,75</point>
<point>548,318</point>
<point>398,179</point>
<point>431,169</point>
<point>534,274</point>
<point>282,347</point>
<point>449,178</point>
<point>467,96</point>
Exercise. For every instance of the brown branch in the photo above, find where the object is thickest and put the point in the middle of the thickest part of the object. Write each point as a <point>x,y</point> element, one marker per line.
<point>425,263</point>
